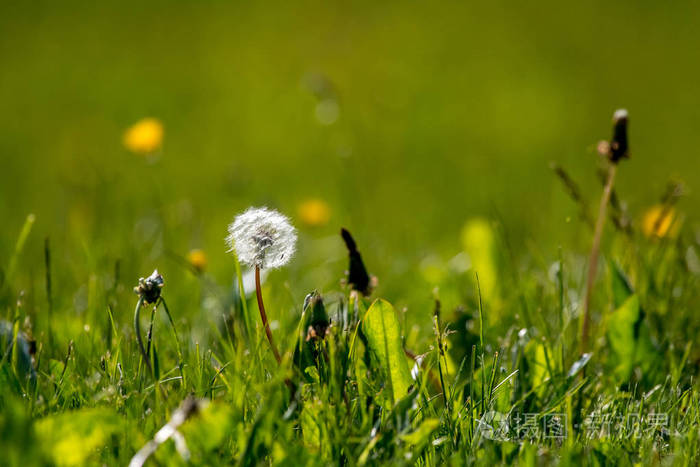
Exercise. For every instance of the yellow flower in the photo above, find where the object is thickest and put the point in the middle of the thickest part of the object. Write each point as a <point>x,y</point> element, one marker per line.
<point>314,212</point>
<point>660,221</point>
<point>145,136</point>
<point>197,259</point>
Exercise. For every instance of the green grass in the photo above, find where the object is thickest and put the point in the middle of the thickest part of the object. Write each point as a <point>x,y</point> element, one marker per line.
<point>449,117</point>
<point>500,379</point>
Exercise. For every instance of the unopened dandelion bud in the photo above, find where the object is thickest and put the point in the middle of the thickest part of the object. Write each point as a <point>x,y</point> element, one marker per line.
<point>319,322</point>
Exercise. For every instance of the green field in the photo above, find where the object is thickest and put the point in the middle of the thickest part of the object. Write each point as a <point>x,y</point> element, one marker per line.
<point>452,140</point>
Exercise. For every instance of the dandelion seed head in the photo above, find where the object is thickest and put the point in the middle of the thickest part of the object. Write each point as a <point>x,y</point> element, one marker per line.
<point>620,114</point>
<point>262,237</point>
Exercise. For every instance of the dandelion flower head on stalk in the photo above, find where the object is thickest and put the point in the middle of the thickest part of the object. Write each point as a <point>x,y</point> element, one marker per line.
<point>262,237</point>
<point>197,259</point>
<point>660,221</point>
<point>314,212</point>
<point>145,136</point>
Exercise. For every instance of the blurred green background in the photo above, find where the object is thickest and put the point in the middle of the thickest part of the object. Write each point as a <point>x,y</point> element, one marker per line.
<point>407,118</point>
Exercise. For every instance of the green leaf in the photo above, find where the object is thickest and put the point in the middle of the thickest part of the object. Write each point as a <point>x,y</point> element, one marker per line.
<point>310,429</point>
<point>381,328</point>
<point>209,429</point>
<point>621,336</point>
<point>629,339</point>
<point>538,371</point>
<point>422,435</point>
<point>72,438</point>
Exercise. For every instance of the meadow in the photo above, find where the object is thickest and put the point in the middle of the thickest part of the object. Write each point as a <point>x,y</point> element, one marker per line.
<point>470,257</point>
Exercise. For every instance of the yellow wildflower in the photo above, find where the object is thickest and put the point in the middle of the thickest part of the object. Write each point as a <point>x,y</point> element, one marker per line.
<point>145,136</point>
<point>197,259</point>
<point>314,212</point>
<point>660,221</point>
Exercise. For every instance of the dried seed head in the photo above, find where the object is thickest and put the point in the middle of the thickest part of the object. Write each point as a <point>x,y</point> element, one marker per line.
<point>618,144</point>
<point>262,237</point>
<point>149,288</point>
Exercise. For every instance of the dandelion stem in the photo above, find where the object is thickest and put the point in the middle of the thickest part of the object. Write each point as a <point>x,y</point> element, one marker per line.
<point>263,315</point>
<point>595,251</point>
<point>150,331</point>
<point>137,330</point>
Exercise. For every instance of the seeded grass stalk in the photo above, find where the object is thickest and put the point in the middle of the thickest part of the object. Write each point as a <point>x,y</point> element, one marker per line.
<point>560,296</point>
<point>440,352</point>
<point>615,150</point>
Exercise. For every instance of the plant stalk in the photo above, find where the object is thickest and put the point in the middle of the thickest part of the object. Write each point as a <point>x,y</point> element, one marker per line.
<point>595,253</point>
<point>137,330</point>
<point>263,315</point>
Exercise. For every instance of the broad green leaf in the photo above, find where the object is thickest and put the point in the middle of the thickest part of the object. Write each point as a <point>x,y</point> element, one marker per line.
<point>381,328</point>
<point>537,366</point>
<point>621,336</point>
<point>629,339</point>
<point>73,438</point>
<point>479,242</point>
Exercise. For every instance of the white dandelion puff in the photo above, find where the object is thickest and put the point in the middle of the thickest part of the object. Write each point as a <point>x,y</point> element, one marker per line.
<point>262,238</point>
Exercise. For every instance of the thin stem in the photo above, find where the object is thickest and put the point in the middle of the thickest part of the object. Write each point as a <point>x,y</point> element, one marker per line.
<point>137,330</point>
<point>481,343</point>
<point>438,339</point>
<point>177,340</point>
<point>244,302</point>
<point>144,355</point>
<point>263,315</point>
<point>431,374</point>
<point>49,296</point>
<point>471,392</point>
<point>150,331</point>
<point>595,251</point>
